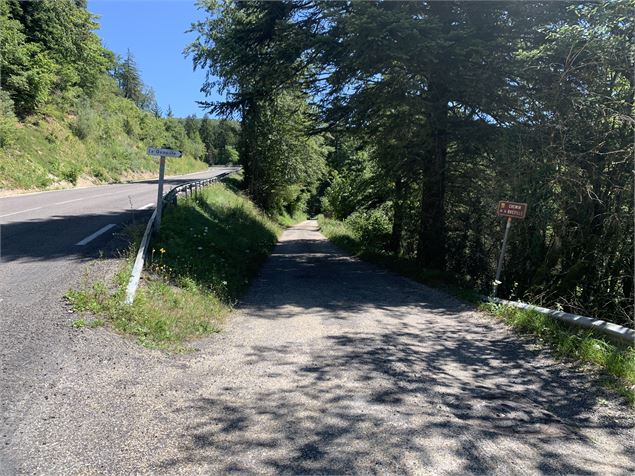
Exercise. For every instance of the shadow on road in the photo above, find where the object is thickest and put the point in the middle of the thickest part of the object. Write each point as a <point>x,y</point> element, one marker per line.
<point>405,380</point>
<point>55,238</point>
<point>400,399</point>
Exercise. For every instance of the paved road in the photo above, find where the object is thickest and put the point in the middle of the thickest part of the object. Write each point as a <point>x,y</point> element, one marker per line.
<point>45,239</point>
<point>330,366</point>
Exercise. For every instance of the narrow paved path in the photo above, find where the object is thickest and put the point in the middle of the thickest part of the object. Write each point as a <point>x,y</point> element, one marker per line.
<point>330,366</point>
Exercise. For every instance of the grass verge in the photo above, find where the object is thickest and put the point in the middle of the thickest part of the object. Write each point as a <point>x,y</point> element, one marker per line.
<point>208,250</point>
<point>586,347</point>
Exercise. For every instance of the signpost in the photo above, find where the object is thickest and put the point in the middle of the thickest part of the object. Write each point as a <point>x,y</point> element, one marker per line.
<point>509,210</point>
<point>162,153</point>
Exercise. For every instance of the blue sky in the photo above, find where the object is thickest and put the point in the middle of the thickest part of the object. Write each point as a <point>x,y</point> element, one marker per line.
<point>154,30</point>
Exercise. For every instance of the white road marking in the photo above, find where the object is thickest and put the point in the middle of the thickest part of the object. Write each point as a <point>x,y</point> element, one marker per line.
<point>145,207</point>
<point>58,203</point>
<point>90,238</point>
<point>21,211</point>
<point>100,195</point>
<point>69,201</point>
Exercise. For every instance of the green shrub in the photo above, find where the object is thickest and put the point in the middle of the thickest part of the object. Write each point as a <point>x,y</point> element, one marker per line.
<point>152,130</point>
<point>231,155</point>
<point>100,174</point>
<point>372,228</point>
<point>71,173</point>
<point>8,121</point>
<point>86,121</point>
<point>338,200</point>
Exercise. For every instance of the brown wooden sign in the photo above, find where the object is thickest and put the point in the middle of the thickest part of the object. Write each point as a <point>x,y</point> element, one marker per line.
<point>511,209</point>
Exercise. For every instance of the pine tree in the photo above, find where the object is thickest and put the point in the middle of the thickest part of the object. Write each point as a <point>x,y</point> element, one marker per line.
<point>191,126</point>
<point>129,80</point>
<point>207,131</point>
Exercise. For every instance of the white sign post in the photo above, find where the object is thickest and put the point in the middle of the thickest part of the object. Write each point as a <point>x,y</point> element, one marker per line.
<point>162,153</point>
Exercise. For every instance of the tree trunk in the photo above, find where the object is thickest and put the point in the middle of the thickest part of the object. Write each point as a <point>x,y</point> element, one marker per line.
<point>431,250</point>
<point>247,155</point>
<point>397,219</point>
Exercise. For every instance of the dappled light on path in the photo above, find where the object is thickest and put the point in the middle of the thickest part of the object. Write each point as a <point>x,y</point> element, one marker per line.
<point>329,366</point>
<point>336,366</point>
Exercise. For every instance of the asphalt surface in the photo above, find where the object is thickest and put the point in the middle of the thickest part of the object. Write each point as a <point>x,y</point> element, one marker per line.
<point>45,239</point>
<point>329,366</point>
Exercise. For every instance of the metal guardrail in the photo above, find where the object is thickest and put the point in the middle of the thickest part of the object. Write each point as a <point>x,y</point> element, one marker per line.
<point>615,331</point>
<point>170,198</point>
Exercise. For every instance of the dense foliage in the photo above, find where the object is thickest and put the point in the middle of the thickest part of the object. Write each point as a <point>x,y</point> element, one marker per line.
<point>70,108</point>
<point>282,161</point>
<point>428,114</point>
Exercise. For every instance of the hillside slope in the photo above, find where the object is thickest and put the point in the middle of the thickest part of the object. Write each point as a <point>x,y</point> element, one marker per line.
<point>73,111</point>
<point>103,140</point>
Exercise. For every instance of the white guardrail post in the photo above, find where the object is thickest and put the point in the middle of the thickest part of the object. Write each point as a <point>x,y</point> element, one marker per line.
<point>131,290</point>
<point>137,268</point>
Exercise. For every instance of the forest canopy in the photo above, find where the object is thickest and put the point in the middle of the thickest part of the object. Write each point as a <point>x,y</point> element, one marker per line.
<point>409,121</point>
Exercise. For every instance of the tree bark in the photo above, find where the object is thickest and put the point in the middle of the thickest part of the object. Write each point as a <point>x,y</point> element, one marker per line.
<point>431,251</point>
<point>397,219</point>
<point>248,156</point>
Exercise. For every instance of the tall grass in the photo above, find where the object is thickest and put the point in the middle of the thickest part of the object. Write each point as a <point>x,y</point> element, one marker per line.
<point>203,259</point>
<point>218,239</point>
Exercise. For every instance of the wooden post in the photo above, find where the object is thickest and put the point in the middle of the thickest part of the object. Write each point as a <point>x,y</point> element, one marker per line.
<point>502,257</point>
